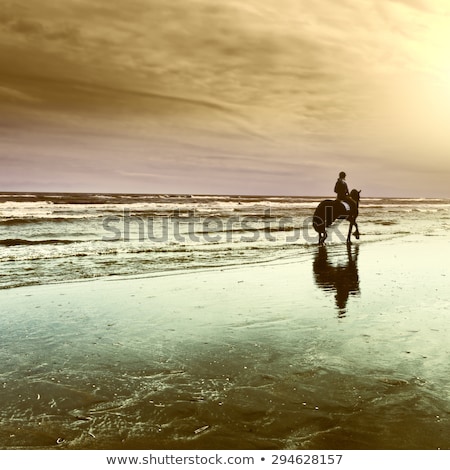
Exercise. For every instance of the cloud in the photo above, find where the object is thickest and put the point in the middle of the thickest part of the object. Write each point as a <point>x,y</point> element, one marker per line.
<point>13,95</point>
<point>26,27</point>
<point>251,85</point>
<point>143,175</point>
<point>421,5</point>
<point>45,30</point>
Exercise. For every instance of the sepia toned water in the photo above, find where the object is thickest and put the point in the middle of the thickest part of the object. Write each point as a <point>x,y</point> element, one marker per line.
<point>282,345</point>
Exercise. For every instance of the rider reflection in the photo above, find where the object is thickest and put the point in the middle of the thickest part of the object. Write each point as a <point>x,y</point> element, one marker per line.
<point>338,277</point>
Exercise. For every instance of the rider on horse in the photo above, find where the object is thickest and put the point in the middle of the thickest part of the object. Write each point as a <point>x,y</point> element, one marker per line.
<point>345,206</point>
<point>341,189</point>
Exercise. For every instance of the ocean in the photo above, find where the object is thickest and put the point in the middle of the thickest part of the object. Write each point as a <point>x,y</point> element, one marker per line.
<point>47,238</point>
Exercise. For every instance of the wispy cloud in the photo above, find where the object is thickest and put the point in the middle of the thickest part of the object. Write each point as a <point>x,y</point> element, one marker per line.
<point>13,95</point>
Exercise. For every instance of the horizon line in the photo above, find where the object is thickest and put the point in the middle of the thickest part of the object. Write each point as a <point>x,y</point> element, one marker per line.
<point>205,195</point>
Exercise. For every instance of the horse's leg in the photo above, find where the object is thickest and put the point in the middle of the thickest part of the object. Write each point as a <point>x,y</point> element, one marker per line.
<point>322,237</point>
<point>356,233</point>
<point>351,222</point>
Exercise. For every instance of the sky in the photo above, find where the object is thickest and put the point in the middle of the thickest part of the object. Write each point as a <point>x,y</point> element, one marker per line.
<point>270,97</point>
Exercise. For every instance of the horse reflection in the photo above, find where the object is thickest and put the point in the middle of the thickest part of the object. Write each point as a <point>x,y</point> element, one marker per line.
<point>340,277</point>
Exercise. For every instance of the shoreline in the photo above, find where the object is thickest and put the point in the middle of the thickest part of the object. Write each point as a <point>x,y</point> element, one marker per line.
<point>306,252</point>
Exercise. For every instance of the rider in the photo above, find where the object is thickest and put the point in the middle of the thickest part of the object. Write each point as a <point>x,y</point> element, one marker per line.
<point>341,189</point>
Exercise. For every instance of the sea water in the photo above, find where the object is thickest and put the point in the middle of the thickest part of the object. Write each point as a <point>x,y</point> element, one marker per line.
<point>47,238</point>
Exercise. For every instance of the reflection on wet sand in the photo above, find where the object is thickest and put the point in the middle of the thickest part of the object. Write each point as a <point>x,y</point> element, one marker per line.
<point>337,274</point>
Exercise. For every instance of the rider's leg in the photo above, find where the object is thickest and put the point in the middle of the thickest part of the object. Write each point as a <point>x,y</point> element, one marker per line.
<point>352,204</point>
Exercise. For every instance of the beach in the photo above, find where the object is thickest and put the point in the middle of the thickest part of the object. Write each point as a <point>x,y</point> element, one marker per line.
<point>177,266</point>
<point>331,347</point>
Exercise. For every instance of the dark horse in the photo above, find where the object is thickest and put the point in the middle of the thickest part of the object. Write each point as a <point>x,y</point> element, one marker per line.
<point>330,210</point>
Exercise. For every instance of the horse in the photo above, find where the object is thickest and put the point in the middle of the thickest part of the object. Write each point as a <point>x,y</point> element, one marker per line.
<point>329,210</point>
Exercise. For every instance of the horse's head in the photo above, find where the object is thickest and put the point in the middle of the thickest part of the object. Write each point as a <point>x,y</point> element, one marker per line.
<point>354,194</point>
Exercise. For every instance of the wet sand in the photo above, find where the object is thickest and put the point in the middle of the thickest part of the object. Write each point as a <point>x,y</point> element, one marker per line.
<point>328,349</point>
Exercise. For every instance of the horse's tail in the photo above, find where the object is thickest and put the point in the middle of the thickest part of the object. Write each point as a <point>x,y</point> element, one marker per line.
<point>324,215</point>
<point>319,222</point>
